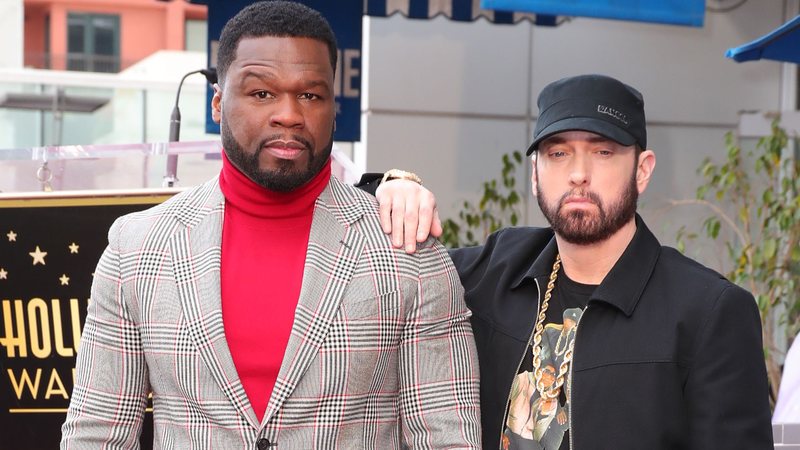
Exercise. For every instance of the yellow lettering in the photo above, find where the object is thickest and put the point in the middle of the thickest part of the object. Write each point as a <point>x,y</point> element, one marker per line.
<point>25,380</point>
<point>37,315</point>
<point>14,339</point>
<point>58,329</point>
<point>55,379</point>
<point>76,323</point>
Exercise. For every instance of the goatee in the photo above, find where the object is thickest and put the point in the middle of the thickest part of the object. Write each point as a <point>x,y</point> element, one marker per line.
<point>587,227</point>
<point>287,177</point>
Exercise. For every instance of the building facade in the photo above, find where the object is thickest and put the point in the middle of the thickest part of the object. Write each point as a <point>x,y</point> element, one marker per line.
<point>107,36</point>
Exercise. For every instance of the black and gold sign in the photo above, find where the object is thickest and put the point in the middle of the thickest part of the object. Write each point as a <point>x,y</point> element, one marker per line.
<point>49,247</point>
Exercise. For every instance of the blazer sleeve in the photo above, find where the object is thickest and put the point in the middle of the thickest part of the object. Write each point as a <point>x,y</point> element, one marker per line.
<point>110,394</point>
<point>439,389</point>
<point>727,387</point>
<point>472,262</point>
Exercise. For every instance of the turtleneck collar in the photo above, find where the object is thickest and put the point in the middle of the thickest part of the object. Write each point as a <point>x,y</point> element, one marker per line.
<point>257,201</point>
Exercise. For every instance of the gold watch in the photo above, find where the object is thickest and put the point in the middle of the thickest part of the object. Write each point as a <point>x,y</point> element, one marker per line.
<point>397,174</point>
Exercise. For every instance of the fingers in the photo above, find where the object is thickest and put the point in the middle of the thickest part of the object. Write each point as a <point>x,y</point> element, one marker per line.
<point>384,209</point>
<point>436,228</point>
<point>427,215</point>
<point>398,215</point>
<point>410,220</point>
<point>408,213</point>
<point>393,203</point>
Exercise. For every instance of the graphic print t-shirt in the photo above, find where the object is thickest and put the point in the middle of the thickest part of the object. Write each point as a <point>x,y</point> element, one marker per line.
<point>533,423</point>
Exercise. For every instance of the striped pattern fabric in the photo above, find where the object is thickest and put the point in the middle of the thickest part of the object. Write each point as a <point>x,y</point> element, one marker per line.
<point>381,354</point>
<point>460,10</point>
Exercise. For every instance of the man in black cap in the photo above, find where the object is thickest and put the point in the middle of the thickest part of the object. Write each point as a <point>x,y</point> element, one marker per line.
<point>665,353</point>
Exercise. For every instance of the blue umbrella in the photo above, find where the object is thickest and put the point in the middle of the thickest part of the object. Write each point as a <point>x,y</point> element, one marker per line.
<point>782,44</point>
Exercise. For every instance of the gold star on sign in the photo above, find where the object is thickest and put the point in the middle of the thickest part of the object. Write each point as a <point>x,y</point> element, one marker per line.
<point>3,274</point>
<point>73,248</point>
<point>64,280</point>
<point>12,237</point>
<point>38,256</point>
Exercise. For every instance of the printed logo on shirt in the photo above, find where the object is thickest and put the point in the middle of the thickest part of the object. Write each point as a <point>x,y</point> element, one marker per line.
<point>533,422</point>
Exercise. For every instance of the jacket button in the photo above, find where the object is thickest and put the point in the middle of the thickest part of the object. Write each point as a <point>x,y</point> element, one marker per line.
<point>263,444</point>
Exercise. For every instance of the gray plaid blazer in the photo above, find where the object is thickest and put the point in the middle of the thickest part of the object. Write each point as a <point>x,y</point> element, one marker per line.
<point>381,353</point>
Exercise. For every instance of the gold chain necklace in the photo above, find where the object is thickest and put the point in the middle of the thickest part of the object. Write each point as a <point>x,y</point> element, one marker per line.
<point>544,392</point>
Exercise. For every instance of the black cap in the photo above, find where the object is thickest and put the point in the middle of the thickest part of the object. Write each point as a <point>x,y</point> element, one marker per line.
<point>595,103</point>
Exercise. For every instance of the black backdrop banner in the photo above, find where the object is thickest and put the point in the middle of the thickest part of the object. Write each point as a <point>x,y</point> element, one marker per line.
<point>49,247</point>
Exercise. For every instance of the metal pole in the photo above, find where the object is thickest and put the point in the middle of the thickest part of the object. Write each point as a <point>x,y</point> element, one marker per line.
<point>57,116</point>
<point>171,176</point>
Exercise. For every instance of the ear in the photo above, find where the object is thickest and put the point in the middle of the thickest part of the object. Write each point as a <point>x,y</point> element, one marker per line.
<point>216,104</point>
<point>534,175</point>
<point>644,169</point>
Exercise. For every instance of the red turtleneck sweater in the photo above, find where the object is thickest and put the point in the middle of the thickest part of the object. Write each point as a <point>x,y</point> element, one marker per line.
<point>264,242</point>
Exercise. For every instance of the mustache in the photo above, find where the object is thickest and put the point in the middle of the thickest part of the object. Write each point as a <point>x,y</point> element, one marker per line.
<point>593,197</point>
<point>279,137</point>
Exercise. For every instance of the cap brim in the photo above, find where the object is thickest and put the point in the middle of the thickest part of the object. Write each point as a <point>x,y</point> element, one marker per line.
<point>591,124</point>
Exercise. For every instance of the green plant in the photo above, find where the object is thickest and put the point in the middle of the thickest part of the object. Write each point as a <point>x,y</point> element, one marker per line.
<point>755,195</point>
<point>497,207</point>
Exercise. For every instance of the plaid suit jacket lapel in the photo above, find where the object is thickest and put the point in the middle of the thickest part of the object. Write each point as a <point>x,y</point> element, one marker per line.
<point>196,253</point>
<point>333,252</point>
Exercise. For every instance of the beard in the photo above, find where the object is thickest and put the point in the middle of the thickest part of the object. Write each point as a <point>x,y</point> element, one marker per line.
<point>286,177</point>
<point>587,227</point>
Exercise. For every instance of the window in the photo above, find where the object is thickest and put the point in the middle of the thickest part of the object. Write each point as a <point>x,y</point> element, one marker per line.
<point>93,42</point>
<point>196,35</point>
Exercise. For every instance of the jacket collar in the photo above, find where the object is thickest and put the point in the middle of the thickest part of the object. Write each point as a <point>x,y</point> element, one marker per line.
<point>197,204</point>
<point>332,257</point>
<point>625,283</point>
<point>542,265</point>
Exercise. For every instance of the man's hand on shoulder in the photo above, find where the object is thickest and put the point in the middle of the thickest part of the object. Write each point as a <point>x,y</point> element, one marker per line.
<point>408,212</point>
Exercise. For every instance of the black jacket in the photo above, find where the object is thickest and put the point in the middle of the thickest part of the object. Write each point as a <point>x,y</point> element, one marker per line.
<point>668,353</point>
